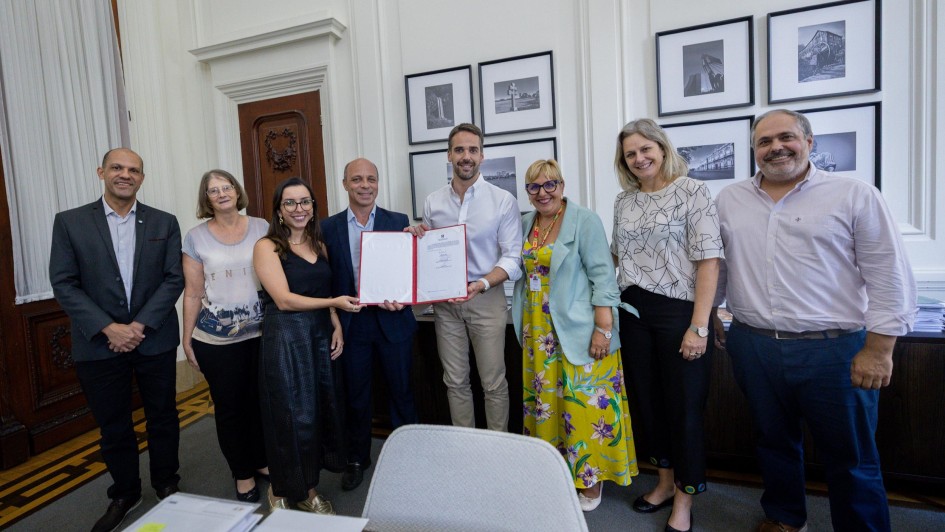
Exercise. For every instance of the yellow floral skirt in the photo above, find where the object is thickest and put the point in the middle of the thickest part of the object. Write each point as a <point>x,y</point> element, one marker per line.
<point>581,410</point>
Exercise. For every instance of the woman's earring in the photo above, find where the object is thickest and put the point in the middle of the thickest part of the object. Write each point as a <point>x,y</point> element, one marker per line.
<point>281,221</point>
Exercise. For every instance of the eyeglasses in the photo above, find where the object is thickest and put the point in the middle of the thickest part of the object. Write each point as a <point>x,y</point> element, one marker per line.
<point>216,191</point>
<point>293,205</point>
<point>549,186</point>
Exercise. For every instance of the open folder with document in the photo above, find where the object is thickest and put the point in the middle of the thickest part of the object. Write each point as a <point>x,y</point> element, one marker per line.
<point>397,266</point>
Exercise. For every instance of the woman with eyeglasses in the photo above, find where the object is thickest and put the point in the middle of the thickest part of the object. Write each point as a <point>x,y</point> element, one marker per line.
<point>222,322</point>
<point>667,246</point>
<point>299,383</point>
<point>564,310</point>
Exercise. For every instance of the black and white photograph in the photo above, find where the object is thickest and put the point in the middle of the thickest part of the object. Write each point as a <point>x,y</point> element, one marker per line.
<point>517,94</point>
<point>821,51</point>
<point>705,67</point>
<point>710,162</point>
<point>429,170</point>
<point>846,140</point>
<point>440,106</point>
<point>505,164</point>
<point>500,172</point>
<point>807,51</point>
<point>437,101</point>
<point>834,152</point>
<point>717,151</point>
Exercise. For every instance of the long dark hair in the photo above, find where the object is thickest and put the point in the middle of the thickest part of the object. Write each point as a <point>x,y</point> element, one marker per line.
<point>279,233</point>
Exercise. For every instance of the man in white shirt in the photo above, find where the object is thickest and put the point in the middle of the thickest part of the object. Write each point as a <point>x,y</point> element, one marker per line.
<point>493,249</point>
<point>820,287</point>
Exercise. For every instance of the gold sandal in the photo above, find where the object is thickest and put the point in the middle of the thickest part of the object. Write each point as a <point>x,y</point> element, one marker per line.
<point>275,503</point>
<point>317,504</point>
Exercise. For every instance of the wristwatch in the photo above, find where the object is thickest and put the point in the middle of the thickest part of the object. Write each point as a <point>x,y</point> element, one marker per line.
<point>485,284</point>
<point>703,332</point>
<point>607,334</point>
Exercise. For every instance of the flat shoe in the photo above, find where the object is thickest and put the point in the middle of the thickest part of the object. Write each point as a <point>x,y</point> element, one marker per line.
<point>275,503</point>
<point>646,507</point>
<point>250,496</point>
<point>588,504</point>
<point>317,505</point>
<point>671,529</point>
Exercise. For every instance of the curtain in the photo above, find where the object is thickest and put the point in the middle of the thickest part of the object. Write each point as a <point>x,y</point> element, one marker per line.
<point>62,106</point>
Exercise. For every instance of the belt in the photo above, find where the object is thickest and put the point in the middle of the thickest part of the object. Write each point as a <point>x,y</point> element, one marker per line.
<point>805,335</point>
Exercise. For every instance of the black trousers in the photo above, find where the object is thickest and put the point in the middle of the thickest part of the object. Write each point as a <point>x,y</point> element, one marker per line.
<point>669,392</point>
<point>107,386</point>
<point>365,343</point>
<point>232,372</point>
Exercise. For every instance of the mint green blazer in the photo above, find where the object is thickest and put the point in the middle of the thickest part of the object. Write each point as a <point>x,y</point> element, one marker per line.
<point>582,276</point>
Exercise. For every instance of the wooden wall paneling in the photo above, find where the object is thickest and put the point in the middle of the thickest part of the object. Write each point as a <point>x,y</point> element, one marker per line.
<point>14,443</point>
<point>282,138</point>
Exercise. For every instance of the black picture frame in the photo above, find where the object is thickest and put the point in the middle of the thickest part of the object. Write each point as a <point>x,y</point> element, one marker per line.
<point>531,75</point>
<point>706,67</point>
<point>719,152</point>
<point>836,128</point>
<point>436,102</point>
<point>821,68</point>
<point>522,154</point>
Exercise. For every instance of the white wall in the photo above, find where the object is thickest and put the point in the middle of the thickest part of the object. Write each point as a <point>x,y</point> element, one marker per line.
<point>604,76</point>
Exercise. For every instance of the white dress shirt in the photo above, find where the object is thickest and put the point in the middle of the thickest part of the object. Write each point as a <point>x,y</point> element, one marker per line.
<point>493,226</point>
<point>828,255</point>
<point>354,240</point>
<point>123,233</point>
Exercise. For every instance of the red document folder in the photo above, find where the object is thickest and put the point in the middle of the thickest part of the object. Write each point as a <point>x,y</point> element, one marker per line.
<point>397,266</point>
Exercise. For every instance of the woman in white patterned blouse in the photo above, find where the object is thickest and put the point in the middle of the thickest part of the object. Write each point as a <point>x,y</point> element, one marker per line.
<point>667,246</point>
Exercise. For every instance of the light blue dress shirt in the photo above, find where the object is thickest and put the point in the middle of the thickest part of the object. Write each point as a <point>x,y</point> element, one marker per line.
<point>122,230</point>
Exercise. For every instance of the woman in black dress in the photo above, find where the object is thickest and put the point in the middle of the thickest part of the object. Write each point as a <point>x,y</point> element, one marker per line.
<point>301,336</point>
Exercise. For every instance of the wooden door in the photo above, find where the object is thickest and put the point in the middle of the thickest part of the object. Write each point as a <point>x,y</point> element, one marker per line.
<point>282,138</point>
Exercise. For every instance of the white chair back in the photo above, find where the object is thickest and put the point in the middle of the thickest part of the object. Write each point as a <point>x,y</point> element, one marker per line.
<point>443,478</point>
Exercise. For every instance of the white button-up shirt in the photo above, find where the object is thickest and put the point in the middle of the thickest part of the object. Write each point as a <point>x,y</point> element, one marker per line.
<point>828,255</point>
<point>122,230</point>
<point>493,226</point>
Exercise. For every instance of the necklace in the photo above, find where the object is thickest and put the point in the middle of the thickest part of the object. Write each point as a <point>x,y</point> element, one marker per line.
<point>300,242</point>
<point>540,234</point>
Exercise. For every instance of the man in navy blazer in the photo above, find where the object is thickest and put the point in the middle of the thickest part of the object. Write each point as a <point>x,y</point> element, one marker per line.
<point>115,268</point>
<point>382,332</point>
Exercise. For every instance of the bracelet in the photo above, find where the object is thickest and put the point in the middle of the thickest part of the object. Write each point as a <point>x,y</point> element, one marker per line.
<point>485,282</point>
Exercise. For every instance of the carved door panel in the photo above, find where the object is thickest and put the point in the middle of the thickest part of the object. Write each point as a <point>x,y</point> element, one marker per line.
<point>282,138</point>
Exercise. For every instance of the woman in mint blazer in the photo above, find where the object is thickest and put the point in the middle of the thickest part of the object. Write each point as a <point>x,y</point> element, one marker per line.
<point>564,309</point>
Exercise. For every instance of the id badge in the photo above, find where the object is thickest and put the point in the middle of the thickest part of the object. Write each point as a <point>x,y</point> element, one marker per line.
<point>534,283</point>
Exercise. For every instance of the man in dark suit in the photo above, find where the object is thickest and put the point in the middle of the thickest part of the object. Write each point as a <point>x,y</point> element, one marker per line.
<point>115,268</point>
<point>384,332</point>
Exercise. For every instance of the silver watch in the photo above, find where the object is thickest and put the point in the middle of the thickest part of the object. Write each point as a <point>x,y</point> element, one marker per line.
<point>703,332</point>
<point>607,334</point>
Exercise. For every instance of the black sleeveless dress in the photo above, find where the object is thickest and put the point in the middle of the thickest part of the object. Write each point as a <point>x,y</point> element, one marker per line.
<point>300,386</point>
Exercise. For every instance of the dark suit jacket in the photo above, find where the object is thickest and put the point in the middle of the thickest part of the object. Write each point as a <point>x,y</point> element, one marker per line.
<point>397,326</point>
<point>87,283</point>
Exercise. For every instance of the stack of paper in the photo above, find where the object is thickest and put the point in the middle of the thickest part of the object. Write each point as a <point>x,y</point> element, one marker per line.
<point>293,521</point>
<point>185,512</point>
<point>930,316</point>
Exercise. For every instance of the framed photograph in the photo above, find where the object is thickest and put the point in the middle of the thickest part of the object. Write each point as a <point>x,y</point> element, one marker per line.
<point>517,94</point>
<point>437,101</point>
<point>706,67</point>
<point>429,170</point>
<point>807,51</point>
<point>505,165</point>
<point>846,140</point>
<point>718,151</point>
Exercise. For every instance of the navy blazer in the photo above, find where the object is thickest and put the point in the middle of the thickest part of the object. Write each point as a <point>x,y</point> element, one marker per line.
<point>396,326</point>
<point>87,283</point>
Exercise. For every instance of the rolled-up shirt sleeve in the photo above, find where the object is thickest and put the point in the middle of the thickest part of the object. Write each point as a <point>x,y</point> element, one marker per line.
<point>883,263</point>
<point>510,240</point>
